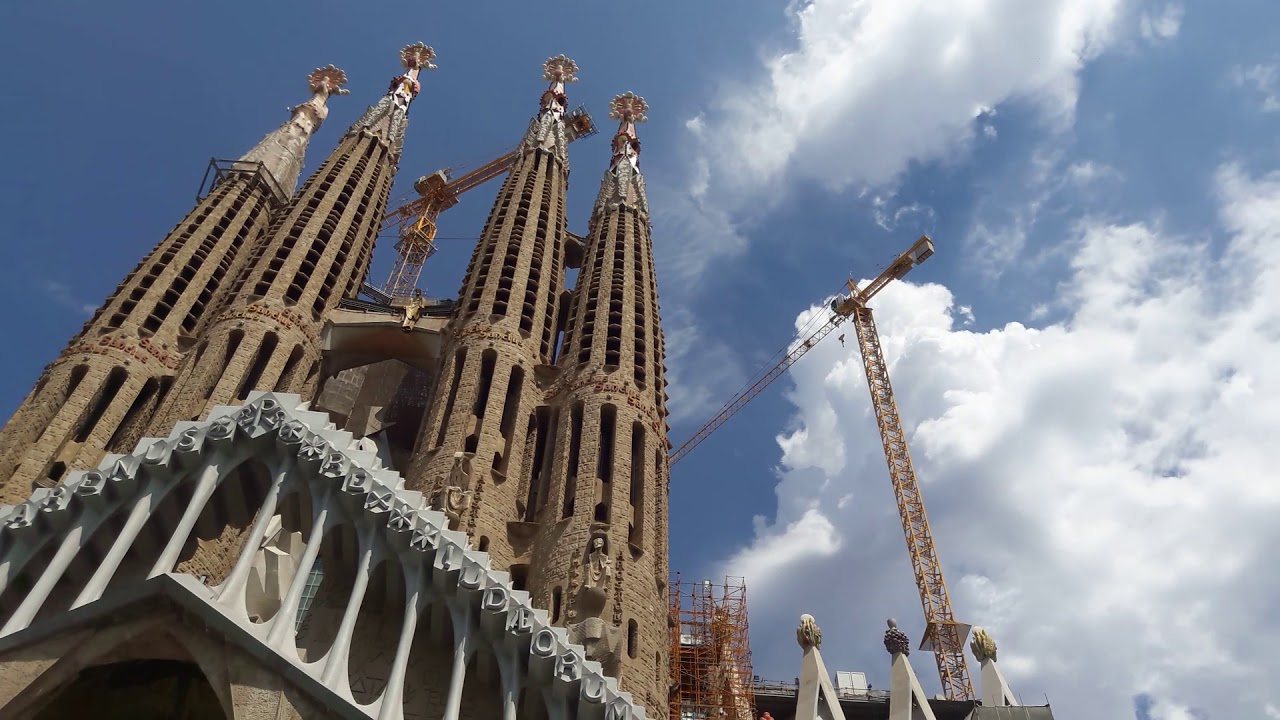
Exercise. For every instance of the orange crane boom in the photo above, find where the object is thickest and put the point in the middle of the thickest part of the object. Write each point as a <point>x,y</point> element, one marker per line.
<point>438,192</point>
<point>943,634</point>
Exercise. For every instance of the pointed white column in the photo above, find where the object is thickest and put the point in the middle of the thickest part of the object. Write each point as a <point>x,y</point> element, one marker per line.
<point>815,697</point>
<point>416,599</point>
<point>282,628</point>
<point>231,592</point>
<point>138,516</point>
<point>39,592</point>
<point>995,691</point>
<point>463,647</point>
<point>907,700</point>
<point>205,486</point>
<point>336,665</point>
<point>509,667</point>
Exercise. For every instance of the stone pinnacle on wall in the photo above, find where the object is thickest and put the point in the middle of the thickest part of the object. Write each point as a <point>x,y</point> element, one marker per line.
<point>623,183</point>
<point>387,119</point>
<point>100,394</point>
<point>267,335</point>
<point>487,417</point>
<point>283,150</point>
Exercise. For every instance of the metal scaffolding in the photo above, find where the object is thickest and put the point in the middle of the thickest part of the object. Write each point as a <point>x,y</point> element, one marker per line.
<point>710,651</point>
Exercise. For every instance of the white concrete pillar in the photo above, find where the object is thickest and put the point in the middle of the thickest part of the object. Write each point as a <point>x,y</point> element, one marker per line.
<point>138,516</point>
<point>463,647</point>
<point>283,632</point>
<point>66,552</point>
<point>205,486</point>
<point>416,598</point>
<point>335,667</point>
<point>512,672</point>
<point>232,590</point>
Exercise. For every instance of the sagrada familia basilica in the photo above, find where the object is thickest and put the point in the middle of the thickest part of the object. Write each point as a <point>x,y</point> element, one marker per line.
<point>242,491</point>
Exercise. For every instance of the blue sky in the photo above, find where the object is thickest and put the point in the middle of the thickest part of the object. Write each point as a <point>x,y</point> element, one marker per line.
<point>1088,366</point>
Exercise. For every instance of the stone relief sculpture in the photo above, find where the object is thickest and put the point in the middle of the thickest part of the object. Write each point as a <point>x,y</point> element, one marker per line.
<point>982,645</point>
<point>603,641</point>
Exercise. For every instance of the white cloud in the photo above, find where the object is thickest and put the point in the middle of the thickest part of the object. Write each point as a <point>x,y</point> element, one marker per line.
<point>872,85</point>
<point>1263,79</point>
<point>1163,25</point>
<point>701,371</point>
<point>60,293</point>
<point>1102,489</point>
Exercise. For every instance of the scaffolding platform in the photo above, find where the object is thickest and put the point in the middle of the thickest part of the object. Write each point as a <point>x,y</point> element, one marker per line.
<point>710,651</point>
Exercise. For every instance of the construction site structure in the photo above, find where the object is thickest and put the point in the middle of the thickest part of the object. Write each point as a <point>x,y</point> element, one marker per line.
<point>711,676</point>
<point>416,220</point>
<point>943,634</point>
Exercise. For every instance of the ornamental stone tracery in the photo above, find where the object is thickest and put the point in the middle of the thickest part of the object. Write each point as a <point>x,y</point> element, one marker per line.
<point>304,449</point>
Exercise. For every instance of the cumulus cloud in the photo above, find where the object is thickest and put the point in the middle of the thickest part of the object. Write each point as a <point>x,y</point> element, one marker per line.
<point>870,86</point>
<point>1102,489</point>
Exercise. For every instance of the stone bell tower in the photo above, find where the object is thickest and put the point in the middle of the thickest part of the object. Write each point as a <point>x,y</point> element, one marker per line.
<point>599,562</point>
<point>101,392</point>
<point>316,253</point>
<point>479,437</point>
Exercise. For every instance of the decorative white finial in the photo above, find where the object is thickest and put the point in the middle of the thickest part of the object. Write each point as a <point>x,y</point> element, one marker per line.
<point>560,69</point>
<point>895,641</point>
<point>628,106</point>
<point>327,80</point>
<point>417,56</point>
<point>808,634</point>
<point>982,645</point>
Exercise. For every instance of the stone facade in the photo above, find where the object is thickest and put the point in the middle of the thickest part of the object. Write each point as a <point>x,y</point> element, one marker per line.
<point>408,621</point>
<point>538,479</point>
<point>602,504</point>
<point>486,405</point>
<point>102,391</point>
<point>316,253</point>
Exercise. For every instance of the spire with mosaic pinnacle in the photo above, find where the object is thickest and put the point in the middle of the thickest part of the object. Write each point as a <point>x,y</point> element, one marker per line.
<point>283,150</point>
<point>599,563</point>
<point>316,253</point>
<point>101,392</point>
<point>475,453</point>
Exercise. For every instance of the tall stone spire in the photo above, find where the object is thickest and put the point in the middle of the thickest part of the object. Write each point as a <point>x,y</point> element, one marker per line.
<point>599,561</point>
<point>485,423</point>
<point>317,252</point>
<point>283,150</point>
<point>101,392</point>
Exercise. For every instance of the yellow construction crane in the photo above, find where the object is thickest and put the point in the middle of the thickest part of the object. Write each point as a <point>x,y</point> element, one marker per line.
<point>943,634</point>
<point>416,220</point>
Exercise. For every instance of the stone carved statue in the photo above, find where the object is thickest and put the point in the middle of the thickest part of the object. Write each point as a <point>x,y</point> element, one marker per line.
<point>895,641</point>
<point>982,645</point>
<point>454,498</point>
<point>602,641</point>
<point>413,310</point>
<point>808,634</point>
<point>597,579</point>
<point>599,565</point>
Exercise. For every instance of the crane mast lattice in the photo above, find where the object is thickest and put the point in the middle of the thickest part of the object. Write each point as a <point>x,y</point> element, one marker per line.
<point>943,634</point>
<point>416,220</point>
